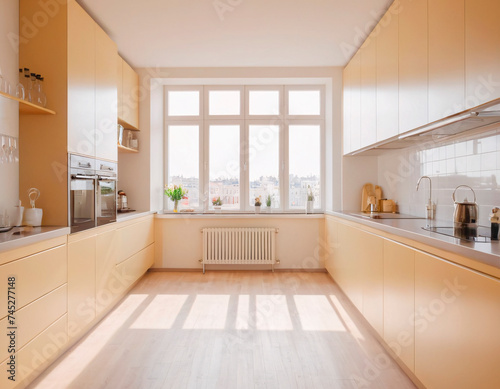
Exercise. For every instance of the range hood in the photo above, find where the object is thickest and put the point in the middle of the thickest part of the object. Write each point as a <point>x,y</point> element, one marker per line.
<point>478,119</point>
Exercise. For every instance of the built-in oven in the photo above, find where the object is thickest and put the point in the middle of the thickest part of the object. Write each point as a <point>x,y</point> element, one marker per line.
<point>82,193</point>
<point>106,192</point>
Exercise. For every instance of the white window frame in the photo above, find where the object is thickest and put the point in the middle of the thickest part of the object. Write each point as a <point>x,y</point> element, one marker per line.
<point>208,88</point>
<point>201,179</point>
<point>244,120</point>
<point>176,88</point>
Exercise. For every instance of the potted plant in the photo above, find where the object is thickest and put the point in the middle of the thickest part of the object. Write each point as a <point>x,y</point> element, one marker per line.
<point>217,203</point>
<point>176,193</point>
<point>257,204</point>
<point>310,200</point>
<point>269,201</point>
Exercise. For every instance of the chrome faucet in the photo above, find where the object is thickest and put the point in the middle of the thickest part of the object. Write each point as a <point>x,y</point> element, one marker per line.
<point>430,207</point>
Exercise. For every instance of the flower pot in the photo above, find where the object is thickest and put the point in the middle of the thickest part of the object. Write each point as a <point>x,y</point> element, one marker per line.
<point>218,208</point>
<point>176,205</point>
<point>257,209</point>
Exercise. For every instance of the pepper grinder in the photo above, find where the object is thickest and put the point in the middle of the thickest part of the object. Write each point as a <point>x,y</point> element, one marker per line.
<point>495,220</point>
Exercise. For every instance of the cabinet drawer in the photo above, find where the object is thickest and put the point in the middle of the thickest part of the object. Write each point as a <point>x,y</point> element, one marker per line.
<point>34,318</point>
<point>133,238</point>
<point>134,267</point>
<point>33,358</point>
<point>35,275</point>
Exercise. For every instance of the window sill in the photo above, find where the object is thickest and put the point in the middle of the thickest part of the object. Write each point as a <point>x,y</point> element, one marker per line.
<point>239,215</point>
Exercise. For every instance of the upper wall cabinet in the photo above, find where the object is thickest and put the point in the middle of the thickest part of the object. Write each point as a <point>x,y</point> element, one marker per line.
<point>387,74</point>
<point>128,100</point>
<point>92,106</point>
<point>482,51</point>
<point>446,58</point>
<point>434,58</point>
<point>413,51</point>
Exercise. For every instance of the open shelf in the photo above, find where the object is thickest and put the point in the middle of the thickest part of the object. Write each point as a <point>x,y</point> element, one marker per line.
<point>27,108</point>
<point>127,149</point>
<point>126,125</point>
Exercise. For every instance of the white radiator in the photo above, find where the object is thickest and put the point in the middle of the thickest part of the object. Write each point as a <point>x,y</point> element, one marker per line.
<point>229,246</point>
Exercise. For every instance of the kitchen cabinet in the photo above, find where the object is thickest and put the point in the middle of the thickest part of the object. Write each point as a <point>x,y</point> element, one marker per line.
<point>79,77</point>
<point>358,270</point>
<point>355,129</point>
<point>81,282</point>
<point>413,59</point>
<point>346,103</point>
<point>133,237</point>
<point>387,74</point>
<point>368,133</point>
<point>482,56</point>
<point>106,105</point>
<point>446,58</point>
<point>40,270</point>
<point>107,290</point>
<point>399,301</point>
<point>129,110</point>
<point>119,83</point>
<point>457,344</point>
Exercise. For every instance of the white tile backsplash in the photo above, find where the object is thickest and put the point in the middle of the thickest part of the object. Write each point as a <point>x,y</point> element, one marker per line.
<point>465,161</point>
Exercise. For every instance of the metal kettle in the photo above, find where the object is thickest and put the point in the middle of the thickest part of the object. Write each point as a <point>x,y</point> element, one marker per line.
<point>466,212</point>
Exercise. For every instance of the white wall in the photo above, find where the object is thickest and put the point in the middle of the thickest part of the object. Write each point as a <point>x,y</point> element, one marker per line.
<point>473,161</point>
<point>357,171</point>
<point>145,189</point>
<point>9,111</point>
<point>299,243</point>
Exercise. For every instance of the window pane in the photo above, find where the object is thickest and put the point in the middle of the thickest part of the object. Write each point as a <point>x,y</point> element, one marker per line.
<point>264,164</point>
<point>224,102</point>
<point>224,164</point>
<point>183,103</point>
<point>264,102</point>
<point>304,164</point>
<point>184,141</point>
<point>301,102</point>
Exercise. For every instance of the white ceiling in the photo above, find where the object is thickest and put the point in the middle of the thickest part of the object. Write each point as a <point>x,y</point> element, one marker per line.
<point>236,33</point>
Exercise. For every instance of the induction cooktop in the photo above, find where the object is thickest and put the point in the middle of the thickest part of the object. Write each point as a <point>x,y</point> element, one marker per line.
<point>480,234</point>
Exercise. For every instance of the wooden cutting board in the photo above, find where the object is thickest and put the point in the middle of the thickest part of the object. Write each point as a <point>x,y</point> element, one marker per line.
<point>366,192</point>
<point>378,196</point>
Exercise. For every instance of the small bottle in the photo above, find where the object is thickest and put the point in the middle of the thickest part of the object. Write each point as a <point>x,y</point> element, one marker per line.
<point>20,92</point>
<point>43,96</point>
<point>29,88</point>
<point>495,220</point>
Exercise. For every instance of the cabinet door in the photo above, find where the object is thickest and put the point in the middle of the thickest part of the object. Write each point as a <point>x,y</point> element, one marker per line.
<point>446,58</point>
<point>134,237</point>
<point>105,94</point>
<point>130,96</point>
<point>399,301</point>
<point>81,284</point>
<point>108,288</point>
<point>413,59</point>
<point>371,253</point>
<point>119,84</point>
<point>387,75</point>
<point>331,232</point>
<point>347,109</point>
<point>355,131</point>
<point>482,54</point>
<point>81,81</point>
<point>369,91</point>
<point>457,341</point>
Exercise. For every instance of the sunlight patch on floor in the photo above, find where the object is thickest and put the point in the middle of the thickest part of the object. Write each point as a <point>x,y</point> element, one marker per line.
<point>273,313</point>
<point>317,314</point>
<point>349,323</point>
<point>208,312</point>
<point>161,313</point>
<point>243,313</point>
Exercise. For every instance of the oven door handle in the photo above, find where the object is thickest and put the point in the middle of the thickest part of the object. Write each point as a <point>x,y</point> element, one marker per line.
<point>82,177</point>
<point>102,178</point>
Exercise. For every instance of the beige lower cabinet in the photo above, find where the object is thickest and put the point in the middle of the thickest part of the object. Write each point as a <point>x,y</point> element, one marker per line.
<point>356,264</point>
<point>107,289</point>
<point>40,272</point>
<point>399,301</point>
<point>81,282</point>
<point>457,322</point>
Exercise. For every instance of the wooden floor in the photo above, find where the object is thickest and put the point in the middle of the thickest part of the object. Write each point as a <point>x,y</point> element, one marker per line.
<point>228,330</point>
